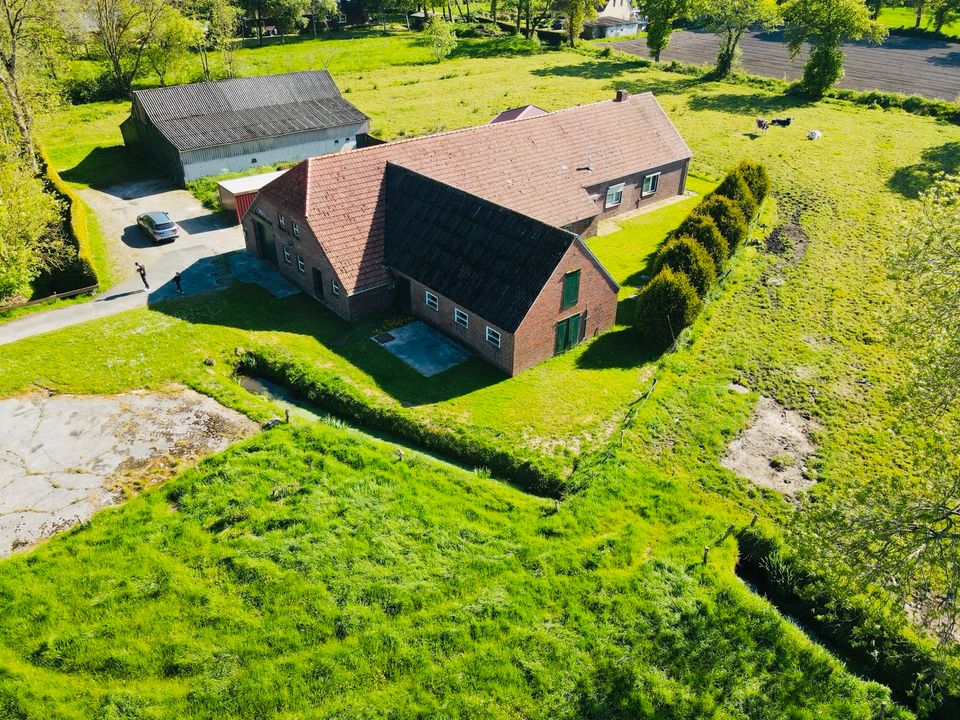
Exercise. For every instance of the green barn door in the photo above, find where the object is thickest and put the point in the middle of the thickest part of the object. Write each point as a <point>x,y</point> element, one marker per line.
<point>568,334</point>
<point>265,243</point>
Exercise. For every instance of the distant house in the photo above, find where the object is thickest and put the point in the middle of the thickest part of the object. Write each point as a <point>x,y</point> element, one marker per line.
<point>617,19</point>
<point>520,113</point>
<point>479,232</point>
<point>210,128</point>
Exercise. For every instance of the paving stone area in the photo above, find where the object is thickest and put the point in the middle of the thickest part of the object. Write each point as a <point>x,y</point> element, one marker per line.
<point>63,457</point>
<point>424,349</point>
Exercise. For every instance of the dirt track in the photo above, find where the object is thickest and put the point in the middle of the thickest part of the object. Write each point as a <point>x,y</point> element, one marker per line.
<point>903,64</point>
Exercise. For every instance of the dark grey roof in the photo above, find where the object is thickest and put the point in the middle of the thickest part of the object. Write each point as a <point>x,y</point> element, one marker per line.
<point>230,111</point>
<point>488,259</point>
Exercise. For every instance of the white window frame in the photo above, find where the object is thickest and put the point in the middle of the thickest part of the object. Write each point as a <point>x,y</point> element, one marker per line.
<point>493,336</point>
<point>335,287</point>
<point>461,318</point>
<point>431,300</point>
<point>614,190</point>
<point>281,221</point>
<point>301,266</point>
<point>296,229</point>
<point>287,258</point>
<point>655,177</point>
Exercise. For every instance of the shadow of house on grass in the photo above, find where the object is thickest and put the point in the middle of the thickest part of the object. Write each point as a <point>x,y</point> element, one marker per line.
<point>250,308</point>
<point>912,180</point>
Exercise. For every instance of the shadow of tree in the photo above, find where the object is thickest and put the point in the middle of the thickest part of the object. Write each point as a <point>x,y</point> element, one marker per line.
<point>752,104</point>
<point>951,60</point>
<point>911,180</point>
<point>302,320</point>
<point>616,349</point>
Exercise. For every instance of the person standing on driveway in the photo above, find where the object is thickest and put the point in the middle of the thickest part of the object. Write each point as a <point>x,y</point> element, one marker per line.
<point>142,272</point>
<point>176,282</point>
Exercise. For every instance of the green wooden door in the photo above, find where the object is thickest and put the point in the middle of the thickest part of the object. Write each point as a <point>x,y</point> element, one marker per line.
<point>568,334</point>
<point>265,243</point>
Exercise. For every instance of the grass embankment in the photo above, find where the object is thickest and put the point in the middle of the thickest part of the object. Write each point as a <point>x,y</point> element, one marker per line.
<point>806,327</point>
<point>306,572</point>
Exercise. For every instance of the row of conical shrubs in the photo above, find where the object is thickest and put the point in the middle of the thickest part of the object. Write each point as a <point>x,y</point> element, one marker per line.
<point>697,253</point>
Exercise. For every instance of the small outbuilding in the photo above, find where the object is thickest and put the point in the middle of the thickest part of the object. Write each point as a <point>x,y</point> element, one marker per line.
<point>210,128</point>
<point>609,27</point>
<point>238,193</point>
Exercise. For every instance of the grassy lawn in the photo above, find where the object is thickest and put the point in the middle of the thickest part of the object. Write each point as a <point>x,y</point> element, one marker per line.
<point>449,595</point>
<point>906,17</point>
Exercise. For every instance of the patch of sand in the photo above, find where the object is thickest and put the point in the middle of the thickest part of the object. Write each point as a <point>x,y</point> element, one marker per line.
<point>774,450</point>
<point>63,457</point>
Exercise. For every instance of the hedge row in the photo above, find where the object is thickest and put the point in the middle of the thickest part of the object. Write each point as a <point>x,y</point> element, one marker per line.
<point>696,254</point>
<point>884,649</point>
<point>471,447</point>
<point>78,271</point>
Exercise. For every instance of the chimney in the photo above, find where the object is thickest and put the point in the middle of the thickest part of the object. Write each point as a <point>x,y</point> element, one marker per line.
<point>622,95</point>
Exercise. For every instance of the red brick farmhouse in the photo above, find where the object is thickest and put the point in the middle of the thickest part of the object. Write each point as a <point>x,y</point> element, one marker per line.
<point>477,231</point>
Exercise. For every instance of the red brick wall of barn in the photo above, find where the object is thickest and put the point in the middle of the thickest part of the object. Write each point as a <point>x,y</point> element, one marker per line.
<point>474,336</point>
<point>535,338</point>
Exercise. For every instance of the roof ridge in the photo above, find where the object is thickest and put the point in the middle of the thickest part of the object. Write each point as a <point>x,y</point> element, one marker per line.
<point>469,128</point>
<point>164,88</point>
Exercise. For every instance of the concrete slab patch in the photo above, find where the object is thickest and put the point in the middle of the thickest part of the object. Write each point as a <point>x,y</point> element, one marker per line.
<point>424,349</point>
<point>249,269</point>
<point>63,457</point>
<point>774,450</point>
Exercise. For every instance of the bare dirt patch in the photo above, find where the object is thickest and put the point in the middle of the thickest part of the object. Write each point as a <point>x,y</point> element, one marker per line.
<point>63,457</point>
<point>774,450</point>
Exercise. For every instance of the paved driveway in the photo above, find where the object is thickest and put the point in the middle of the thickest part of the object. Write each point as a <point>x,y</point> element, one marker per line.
<point>209,254</point>
<point>913,66</point>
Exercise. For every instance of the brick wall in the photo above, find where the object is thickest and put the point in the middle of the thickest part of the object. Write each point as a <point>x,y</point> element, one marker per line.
<point>535,338</point>
<point>306,246</point>
<point>673,181</point>
<point>474,336</point>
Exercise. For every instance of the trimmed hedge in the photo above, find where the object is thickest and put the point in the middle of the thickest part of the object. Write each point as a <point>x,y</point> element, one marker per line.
<point>728,216</point>
<point>685,255</point>
<point>756,177</point>
<point>862,634</point>
<point>735,188</point>
<point>704,230</point>
<point>469,446</point>
<point>665,306</point>
<point>79,271</point>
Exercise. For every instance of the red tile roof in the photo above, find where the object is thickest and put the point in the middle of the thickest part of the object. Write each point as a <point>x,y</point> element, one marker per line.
<point>537,166</point>
<point>520,113</point>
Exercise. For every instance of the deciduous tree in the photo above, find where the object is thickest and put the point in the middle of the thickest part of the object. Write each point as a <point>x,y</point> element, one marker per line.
<point>174,36</point>
<point>826,24</point>
<point>661,15</point>
<point>576,12</point>
<point>29,220</point>
<point>220,20</point>
<point>288,16</point>
<point>731,19</point>
<point>124,29</point>
<point>439,36</point>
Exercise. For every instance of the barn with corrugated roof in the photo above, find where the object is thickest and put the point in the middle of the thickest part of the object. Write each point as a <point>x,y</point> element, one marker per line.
<point>211,128</point>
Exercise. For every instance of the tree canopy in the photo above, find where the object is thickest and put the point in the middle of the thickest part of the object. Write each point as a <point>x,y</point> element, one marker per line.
<point>731,19</point>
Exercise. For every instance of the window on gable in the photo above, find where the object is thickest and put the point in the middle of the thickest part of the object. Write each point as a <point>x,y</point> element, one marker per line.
<point>335,287</point>
<point>431,300</point>
<point>651,183</point>
<point>614,195</point>
<point>296,229</point>
<point>571,289</point>
<point>287,258</point>
<point>300,266</point>
<point>281,221</point>
<point>493,336</point>
<point>460,317</point>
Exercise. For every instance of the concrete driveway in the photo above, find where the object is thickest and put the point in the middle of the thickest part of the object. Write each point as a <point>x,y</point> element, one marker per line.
<point>209,254</point>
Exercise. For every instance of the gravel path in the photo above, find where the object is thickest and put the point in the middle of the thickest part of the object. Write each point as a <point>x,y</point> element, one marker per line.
<point>63,457</point>
<point>913,66</point>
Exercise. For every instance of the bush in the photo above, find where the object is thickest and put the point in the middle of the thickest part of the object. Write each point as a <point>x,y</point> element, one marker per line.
<point>685,255</point>
<point>735,188</point>
<point>704,230</point>
<point>471,447</point>
<point>89,88</point>
<point>756,177</point>
<point>728,217</point>
<point>666,305</point>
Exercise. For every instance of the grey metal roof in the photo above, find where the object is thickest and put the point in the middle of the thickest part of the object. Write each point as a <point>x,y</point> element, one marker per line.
<point>230,111</point>
<point>488,259</point>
